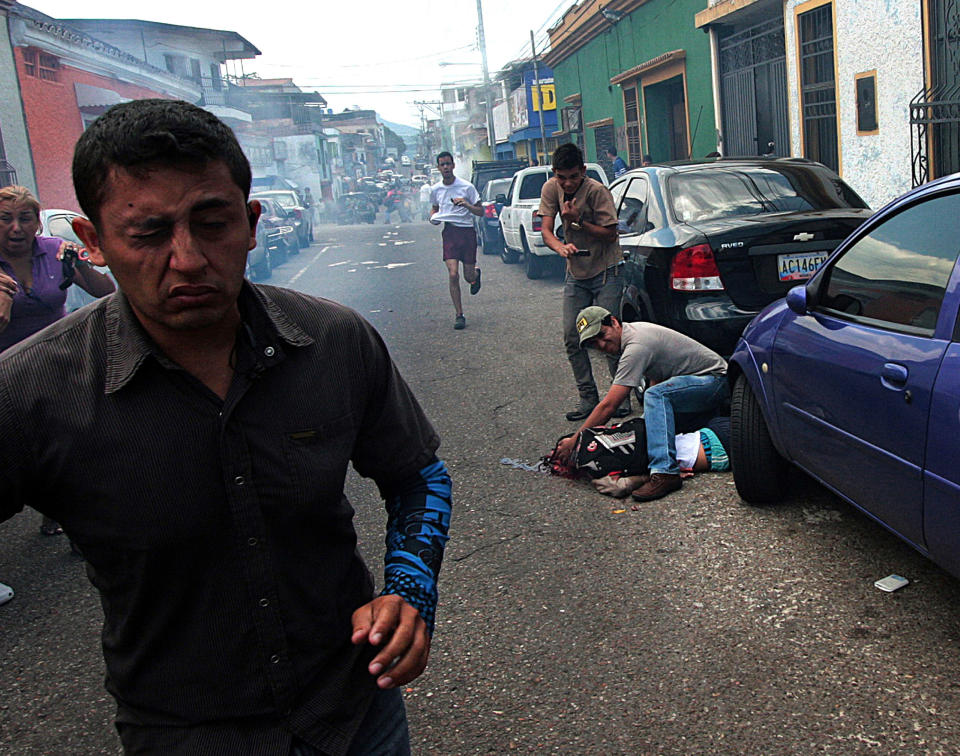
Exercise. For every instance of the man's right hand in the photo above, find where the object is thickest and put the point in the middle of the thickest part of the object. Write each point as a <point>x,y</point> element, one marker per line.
<point>396,626</point>
<point>569,212</point>
<point>567,250</point>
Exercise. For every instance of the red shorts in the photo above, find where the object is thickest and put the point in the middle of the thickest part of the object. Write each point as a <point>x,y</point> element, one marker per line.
<point>460,243</point>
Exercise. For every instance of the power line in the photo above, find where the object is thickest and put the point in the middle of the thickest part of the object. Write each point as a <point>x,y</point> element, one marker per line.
<point>410,60</point>
<point>526,51</point>
<point>407,89</point>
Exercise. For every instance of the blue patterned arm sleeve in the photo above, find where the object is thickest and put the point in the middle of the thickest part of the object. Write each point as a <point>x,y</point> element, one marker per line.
<point>417,525</point>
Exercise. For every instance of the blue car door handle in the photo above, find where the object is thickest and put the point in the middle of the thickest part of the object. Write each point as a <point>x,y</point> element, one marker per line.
<point>893,376</point>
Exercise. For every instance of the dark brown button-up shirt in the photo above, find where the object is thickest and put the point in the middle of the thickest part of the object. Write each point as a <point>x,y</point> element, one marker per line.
<point>216,532</point>
<point>595,204</point>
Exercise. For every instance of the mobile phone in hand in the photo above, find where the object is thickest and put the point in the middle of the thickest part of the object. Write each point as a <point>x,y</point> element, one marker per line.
<point>582,253</point>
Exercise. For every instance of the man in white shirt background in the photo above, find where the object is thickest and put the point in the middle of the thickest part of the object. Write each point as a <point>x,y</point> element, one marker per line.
<point>454,201</point>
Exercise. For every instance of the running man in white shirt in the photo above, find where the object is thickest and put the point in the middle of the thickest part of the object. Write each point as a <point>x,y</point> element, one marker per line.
<point>454,201</point>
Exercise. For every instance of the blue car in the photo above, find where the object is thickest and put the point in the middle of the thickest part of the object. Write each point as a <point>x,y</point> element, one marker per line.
<point>855,376</point>
<point>489,236</point>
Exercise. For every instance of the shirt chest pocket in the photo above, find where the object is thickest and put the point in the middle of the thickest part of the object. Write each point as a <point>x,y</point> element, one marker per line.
<point>316,459</point>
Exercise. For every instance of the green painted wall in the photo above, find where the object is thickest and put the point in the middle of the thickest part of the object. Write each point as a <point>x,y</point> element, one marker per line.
<point>655,28</point>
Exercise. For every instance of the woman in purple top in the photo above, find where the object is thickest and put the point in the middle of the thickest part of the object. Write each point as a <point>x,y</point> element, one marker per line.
<point>31,273</point>
<point>31,270</point>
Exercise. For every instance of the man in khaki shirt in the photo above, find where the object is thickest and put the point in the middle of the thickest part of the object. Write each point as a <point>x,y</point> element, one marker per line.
<point>593,256</point>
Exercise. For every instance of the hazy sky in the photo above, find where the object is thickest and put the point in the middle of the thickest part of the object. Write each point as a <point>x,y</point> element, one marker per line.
<point>378,54</point>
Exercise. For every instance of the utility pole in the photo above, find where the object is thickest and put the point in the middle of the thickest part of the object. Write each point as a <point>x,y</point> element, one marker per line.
<point>491,135</point>
<point>425,134</point>
<point>536,76</point>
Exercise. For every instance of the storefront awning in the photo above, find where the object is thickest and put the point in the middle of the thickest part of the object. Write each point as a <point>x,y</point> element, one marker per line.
<point>90,98</point>
<point>720,10</point>
<point>660,60</point>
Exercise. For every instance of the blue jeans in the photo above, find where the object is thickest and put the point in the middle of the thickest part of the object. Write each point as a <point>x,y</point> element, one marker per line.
<point>604,290</point>
<point>682,393</point>
<point>383,731</point>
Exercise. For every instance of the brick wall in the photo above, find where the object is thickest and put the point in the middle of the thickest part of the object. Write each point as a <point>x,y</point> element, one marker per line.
<point>54,124</point>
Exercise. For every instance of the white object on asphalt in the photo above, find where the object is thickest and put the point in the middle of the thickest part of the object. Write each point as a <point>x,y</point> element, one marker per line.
<point>6,593</point>
<point>891,583</point>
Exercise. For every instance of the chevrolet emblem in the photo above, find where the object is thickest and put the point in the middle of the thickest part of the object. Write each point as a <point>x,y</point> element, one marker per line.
<point>803,236</point>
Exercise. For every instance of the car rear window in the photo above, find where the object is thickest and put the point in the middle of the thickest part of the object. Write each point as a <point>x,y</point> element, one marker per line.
<point>59,226</point>
<point>532,184</point>
<point>495,187</point>
<point>730,191</point>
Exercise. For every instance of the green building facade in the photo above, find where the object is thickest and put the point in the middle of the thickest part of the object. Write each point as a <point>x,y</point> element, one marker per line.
<point>638,78</point>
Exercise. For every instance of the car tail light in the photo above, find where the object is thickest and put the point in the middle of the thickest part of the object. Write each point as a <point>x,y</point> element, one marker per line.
<point>489,210</point>
<point>537,222</point>
<point>695,269</point>
<point>298,214</point>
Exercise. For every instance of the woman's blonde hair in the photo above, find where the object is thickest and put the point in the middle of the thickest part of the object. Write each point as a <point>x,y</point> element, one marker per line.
<point>20,195</point>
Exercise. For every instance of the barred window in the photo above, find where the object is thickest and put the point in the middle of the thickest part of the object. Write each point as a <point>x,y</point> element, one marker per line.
<point>632,112</point>
<point>41,65</point>
<point>30,61</point>
<point>49,67</point>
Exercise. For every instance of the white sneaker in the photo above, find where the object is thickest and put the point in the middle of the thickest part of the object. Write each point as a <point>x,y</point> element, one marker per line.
<point>6,593</point>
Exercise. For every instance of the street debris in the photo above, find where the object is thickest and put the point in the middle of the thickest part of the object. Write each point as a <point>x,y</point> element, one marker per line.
<point>891,583</point>
<point>539,467</point>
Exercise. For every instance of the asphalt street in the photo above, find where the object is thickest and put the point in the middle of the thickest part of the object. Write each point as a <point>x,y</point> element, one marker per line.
<point>568,623</point>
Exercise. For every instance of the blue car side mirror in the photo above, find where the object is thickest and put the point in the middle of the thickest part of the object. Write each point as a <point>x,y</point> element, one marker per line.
<point>797,300</point>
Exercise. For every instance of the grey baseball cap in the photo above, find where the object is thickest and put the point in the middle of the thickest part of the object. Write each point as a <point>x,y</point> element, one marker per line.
<point>589,321</point>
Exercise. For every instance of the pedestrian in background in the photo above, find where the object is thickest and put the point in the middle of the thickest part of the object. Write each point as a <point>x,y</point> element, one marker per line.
<point>424,195</point>
<point>592,252</point>
<point>454,200</point>
<point>310,205</point>
<point>619,165</point>
<point>192,433</point>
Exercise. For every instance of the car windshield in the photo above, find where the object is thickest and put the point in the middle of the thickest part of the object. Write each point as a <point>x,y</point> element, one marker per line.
<point>719,191</point>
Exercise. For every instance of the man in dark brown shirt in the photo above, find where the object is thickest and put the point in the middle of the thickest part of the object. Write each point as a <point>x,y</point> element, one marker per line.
<point>591,248</point>
<point>192,433</point>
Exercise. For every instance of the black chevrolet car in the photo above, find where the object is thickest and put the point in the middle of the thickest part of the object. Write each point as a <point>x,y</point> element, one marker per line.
<point>709,244</point>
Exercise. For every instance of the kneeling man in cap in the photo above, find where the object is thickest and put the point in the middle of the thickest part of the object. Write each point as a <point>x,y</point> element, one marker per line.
<point>683,376</point>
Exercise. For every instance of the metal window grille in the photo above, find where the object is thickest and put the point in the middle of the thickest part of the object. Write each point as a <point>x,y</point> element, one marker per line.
<point>818,87</point>
<point>631,107</point>
<point>753,89</point>
<point>30,62</point>
<point>935,110</point>
<point>8,174</point>
<point>48,67</point>
<point>604,137</point>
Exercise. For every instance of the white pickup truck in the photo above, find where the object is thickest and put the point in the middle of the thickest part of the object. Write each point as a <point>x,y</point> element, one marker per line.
<point>520,222</point>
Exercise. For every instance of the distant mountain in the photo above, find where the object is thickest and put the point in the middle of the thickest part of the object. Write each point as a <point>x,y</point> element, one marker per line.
<point>408,134</point>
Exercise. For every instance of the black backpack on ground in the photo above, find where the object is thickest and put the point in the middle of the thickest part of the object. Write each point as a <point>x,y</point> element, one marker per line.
<point>620,448</point>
